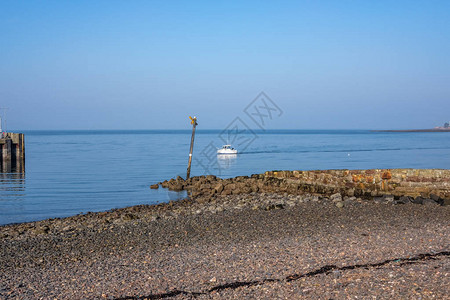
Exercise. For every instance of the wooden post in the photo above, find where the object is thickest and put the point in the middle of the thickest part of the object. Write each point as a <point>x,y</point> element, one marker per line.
<point>22,152</point>
<point>194,124</point>
<point>6,156</point>
<point>17,149</point>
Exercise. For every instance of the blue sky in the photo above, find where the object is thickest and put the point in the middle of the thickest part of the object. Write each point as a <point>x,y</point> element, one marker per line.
<point>151,64</point>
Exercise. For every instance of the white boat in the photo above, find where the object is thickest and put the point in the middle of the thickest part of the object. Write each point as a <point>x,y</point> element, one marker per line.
<point>226,149</point>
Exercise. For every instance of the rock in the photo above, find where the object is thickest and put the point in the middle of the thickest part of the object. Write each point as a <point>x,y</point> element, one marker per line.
<point>244,190</point>
<point>340,204</point>
<point>388,198</point>
<point>205,186</point>
<point>418,200</point>
<point>274,206</point>
<point>226,192</point>
<point>436,198</point>
<point>336,197</point>
<point>129,217</point>
<point>154,186</point>
<point>350,192</point>
<point>218,188</point>
<point>230,186</point>
<point>164,184</point>
<point>428,201</point>
<point>378,199</point>
<point>403,200</point>
<point>195,193</point>
<point>337,274</point>
<point>176,187</point>
<point>290,203</point>
<point>254,188</point>
<point>42,230</point>
<point>446,202</point>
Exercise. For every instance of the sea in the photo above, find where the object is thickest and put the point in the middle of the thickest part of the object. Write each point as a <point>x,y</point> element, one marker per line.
<point>75,172</point>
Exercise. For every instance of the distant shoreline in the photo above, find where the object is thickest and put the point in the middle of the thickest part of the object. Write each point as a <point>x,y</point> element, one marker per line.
<point>415,130</point>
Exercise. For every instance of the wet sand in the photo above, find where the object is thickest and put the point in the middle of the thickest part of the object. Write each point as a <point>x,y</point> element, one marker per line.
<point>232,248</point>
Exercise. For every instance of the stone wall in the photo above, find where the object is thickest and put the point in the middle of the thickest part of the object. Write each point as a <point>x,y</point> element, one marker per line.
<point>428,183</point>
<point>374,182</point>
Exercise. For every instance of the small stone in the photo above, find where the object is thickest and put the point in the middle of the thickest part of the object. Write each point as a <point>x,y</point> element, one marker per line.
<point>337,274</point>
<point>378,199</point>
<point>154,186</point>
<point>336,197</point>
<point>339,204</point>
<point>388,198</point>
<point>418,200</point>
<point>42,230</point>
<point>403,200</point>
<point>351,192</point>
<point>129,217</point>
<point>290,203</point>
<point>274,206</point>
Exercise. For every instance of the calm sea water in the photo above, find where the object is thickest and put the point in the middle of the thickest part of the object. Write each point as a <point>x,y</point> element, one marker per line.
<point>72,172</point>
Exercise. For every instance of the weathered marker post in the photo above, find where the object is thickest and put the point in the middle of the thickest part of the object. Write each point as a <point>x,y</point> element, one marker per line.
<point>194,124</point>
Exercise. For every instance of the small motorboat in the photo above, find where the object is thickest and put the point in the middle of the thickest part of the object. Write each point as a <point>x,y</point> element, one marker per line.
<point>226,149</point>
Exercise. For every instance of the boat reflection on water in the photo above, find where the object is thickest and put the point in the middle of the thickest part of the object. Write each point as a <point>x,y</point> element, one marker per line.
<point>226,161</point>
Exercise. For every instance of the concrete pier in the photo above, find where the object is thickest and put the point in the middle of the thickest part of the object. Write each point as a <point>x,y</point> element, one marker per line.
<point>12,152</point>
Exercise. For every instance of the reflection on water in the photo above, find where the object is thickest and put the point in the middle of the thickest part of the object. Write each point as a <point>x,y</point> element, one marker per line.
<point>12,196</point>
<point>173,195</point>
<point>12,185</point>
<point>226,160</point>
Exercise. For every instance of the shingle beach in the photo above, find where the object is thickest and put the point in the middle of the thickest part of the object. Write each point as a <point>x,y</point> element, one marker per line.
<point>254,245</point>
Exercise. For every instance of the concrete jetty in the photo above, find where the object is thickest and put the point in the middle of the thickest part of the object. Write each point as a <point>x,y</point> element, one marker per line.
<point>12,152</point>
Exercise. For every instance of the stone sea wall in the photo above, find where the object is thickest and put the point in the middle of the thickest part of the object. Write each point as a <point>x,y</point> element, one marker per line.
<point>375,182</point>
<point>414,183</point>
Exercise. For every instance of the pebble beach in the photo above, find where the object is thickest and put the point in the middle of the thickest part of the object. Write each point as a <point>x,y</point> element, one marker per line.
<point>254,245</point>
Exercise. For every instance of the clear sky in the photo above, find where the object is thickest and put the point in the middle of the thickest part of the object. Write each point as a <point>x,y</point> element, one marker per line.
<point>151,64</point>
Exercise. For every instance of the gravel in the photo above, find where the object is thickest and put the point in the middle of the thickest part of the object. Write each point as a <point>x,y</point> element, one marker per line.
<point>248,246</point>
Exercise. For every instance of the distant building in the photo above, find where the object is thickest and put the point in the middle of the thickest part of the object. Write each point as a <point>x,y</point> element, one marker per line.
<point>446,126</point>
